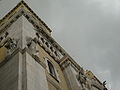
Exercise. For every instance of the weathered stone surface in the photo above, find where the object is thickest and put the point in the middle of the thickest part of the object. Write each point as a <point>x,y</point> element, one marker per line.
<point>36,77</point>
<point>25,69</point>
<point>9,74</point>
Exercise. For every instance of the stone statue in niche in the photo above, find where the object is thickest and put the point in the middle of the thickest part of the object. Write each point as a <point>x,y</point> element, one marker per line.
<point>4,36</point>
<point>82,78</point>
<point>11,45</point>
<point>31,44</point>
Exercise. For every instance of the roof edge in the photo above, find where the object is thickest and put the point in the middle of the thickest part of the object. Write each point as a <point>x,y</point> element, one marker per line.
<point>24,4</point>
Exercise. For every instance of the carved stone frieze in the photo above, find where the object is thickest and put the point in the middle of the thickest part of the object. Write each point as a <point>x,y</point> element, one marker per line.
<point>4,36</point>
<point>11,45</point>
<point>82,79</point>
<point>65,64</point>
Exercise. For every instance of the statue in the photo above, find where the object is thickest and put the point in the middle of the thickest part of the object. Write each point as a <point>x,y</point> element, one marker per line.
<point>82,78</point>
<point>31,44</point>
<point>11,45</point>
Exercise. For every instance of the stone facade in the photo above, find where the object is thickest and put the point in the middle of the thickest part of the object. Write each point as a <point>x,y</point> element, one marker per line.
<point>30,59</point>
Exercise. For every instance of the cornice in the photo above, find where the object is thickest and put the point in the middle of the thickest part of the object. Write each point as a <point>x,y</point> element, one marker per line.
<point>20,5</point>
<point>65,61</point>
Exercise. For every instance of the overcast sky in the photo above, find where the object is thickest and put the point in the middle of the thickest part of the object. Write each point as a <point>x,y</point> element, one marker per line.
<point>89,30</point>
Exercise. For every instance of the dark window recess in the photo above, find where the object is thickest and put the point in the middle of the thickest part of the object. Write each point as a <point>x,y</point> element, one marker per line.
<point>51,48</point>
<point>60,51</point>
<point>42,40</point>
<point>37,34</point>
<point>56,46</point>
<point>22,11</point>
<point>17,16</point>
<point>27,16</point>
<point>51,41</point>
<point>42,31</point>
<point>37,26</point>
<point>56,53</point>
<point>32,21</point>
<point>11,21</point>
<point>51,69</point>
<point>6,34</point>
<point>1,38</point>
<point>47,44</point>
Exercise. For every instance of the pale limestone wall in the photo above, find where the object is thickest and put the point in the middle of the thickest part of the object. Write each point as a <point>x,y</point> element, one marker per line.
<point>27,32</point>
<point>22,72</point>
<point>71,78</point>
<point>10,75</point>
<point>36,78</point>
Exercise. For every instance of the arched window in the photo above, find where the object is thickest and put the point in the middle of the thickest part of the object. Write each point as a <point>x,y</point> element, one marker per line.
<point>51,69</point>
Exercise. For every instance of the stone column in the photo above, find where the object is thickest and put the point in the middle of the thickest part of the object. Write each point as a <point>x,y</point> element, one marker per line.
<point>34,72</point>
<point>70,76</point>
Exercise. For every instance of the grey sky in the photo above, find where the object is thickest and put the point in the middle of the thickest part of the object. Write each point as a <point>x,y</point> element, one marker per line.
<point>89,30</point>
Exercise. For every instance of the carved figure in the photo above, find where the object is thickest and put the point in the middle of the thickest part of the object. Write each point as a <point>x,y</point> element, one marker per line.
<point>31,43</point>
<point>11,45</point>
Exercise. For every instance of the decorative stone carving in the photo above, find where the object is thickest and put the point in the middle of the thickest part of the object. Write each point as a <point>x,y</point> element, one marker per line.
<point>88,84</point>
<point>82,78</point>
<point>31,44</point>
<point>4,36</point>
<point>11,45</point>
<point>65,64</point>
